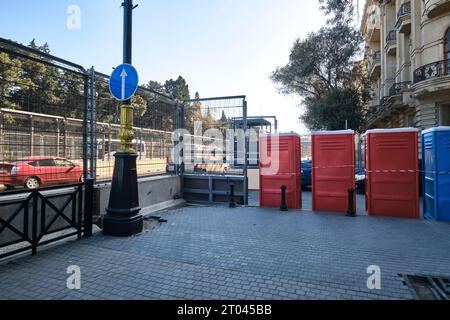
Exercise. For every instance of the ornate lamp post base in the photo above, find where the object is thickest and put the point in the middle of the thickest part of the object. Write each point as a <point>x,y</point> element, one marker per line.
<point>123,218</point>
<point>122,215</point>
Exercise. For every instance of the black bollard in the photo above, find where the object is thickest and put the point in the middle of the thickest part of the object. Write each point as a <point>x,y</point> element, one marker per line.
<point>232,200</point>
<point>283,206</point>
<point>351,210</point>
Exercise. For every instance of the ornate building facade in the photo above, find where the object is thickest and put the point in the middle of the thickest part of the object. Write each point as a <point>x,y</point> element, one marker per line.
<point>408,60</point>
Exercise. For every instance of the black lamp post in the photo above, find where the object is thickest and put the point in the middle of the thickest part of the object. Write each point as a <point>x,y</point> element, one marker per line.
<point>123,216</point>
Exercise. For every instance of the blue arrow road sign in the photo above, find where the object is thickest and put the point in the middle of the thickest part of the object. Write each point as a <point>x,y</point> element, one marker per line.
<point>123,82</point>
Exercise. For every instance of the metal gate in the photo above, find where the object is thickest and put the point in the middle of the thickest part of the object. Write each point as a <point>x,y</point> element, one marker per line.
<point>47,108</point>
<point>211,155</point>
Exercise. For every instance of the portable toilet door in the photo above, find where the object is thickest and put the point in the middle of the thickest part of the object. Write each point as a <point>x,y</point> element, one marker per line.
<point>280,164</point>
<point>436,175</point>
<point>392,177</point>
<point>333,170</point>
<point>429,175</point>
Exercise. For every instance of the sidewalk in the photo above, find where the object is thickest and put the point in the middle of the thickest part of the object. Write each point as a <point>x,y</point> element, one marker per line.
<point>242,253</point>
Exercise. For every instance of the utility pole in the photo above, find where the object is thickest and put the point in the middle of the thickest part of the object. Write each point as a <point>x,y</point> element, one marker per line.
<point>123,216</point>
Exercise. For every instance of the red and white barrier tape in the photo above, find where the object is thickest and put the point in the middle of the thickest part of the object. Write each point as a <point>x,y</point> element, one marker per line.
<point>387,170</point>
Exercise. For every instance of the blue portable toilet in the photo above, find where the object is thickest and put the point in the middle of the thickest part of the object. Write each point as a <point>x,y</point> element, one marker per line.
<point>436,175</point>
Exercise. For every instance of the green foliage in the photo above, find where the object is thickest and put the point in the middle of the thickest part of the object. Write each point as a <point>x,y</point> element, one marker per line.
<point>177,89</point>
<point>38,87</point>
<point>338,11</point>
<point>324,70</point>
<point>321,62</point>
<point>160,113</point>
<point>331,111</point>
<point>9,79</point>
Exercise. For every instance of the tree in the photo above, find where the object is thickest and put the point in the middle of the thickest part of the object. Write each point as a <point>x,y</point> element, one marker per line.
<point>159,114</point>
<point>177,89</point>
<point>321,62</point>
<point>40,84</point>
<point>338,11</point>
<point>324,71</point>
<point>9,80</point>
<point>337,108</point>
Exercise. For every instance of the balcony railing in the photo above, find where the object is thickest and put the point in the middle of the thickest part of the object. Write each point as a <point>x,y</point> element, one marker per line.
<point>432,70</point>
<point>373,110</point>
<point>398,88</point>
<point>405,9</point>
<point>391,36</point>
<point>375,64</point>
<point>376,57</point>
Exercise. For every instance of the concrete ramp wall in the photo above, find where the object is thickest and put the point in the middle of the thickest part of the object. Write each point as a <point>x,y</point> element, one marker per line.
<point>155,194</point>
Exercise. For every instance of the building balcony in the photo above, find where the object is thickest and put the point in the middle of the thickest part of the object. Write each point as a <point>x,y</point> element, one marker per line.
<point>399,88</point>
<point>391,43</point>
<point>377,114</point>
<point>373,27</point>
<point>432,78</point>
<point>375,65</point>
<point>374,34</point>
<point>435,8</point>
<point>404,18</point>
<point>389,105</point>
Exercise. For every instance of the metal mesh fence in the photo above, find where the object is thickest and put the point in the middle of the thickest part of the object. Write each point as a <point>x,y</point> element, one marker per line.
<point>153,127</point>
<point>212,144</point>
<point>59,123</point>
<point>39,145</point>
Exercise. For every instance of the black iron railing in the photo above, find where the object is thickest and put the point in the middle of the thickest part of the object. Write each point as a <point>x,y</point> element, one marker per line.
<point>432,70</point>
<point>405,9</point>
<point>383,100</point>
<point>373,110</point>
<point>376,56</point>
<point>398,88</point>
<point>391,36</point>
<point>54,213</point>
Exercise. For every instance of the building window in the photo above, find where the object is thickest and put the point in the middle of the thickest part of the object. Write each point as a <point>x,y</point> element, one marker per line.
<point>410,121</point>
<point>445,115</point>
<point>447,45</point>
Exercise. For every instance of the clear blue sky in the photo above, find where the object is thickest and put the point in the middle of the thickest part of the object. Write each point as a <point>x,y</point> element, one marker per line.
<point>221,47</point>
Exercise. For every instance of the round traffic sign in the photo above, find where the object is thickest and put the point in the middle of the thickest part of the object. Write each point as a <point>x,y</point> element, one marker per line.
<point>123,82</point>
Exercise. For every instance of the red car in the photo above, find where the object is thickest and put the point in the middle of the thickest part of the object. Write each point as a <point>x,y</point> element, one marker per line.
<point>34,172</point>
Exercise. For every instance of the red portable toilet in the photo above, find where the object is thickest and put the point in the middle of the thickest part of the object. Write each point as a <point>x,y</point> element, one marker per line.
<point>333,170</point>
<point>392,173</point>
<point>280,164</point>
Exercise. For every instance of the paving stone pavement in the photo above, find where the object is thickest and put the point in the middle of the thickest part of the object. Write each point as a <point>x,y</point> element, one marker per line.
<point>243,253</point>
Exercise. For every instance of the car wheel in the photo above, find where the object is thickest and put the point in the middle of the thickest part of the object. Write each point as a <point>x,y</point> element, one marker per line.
<point>32,183</point>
